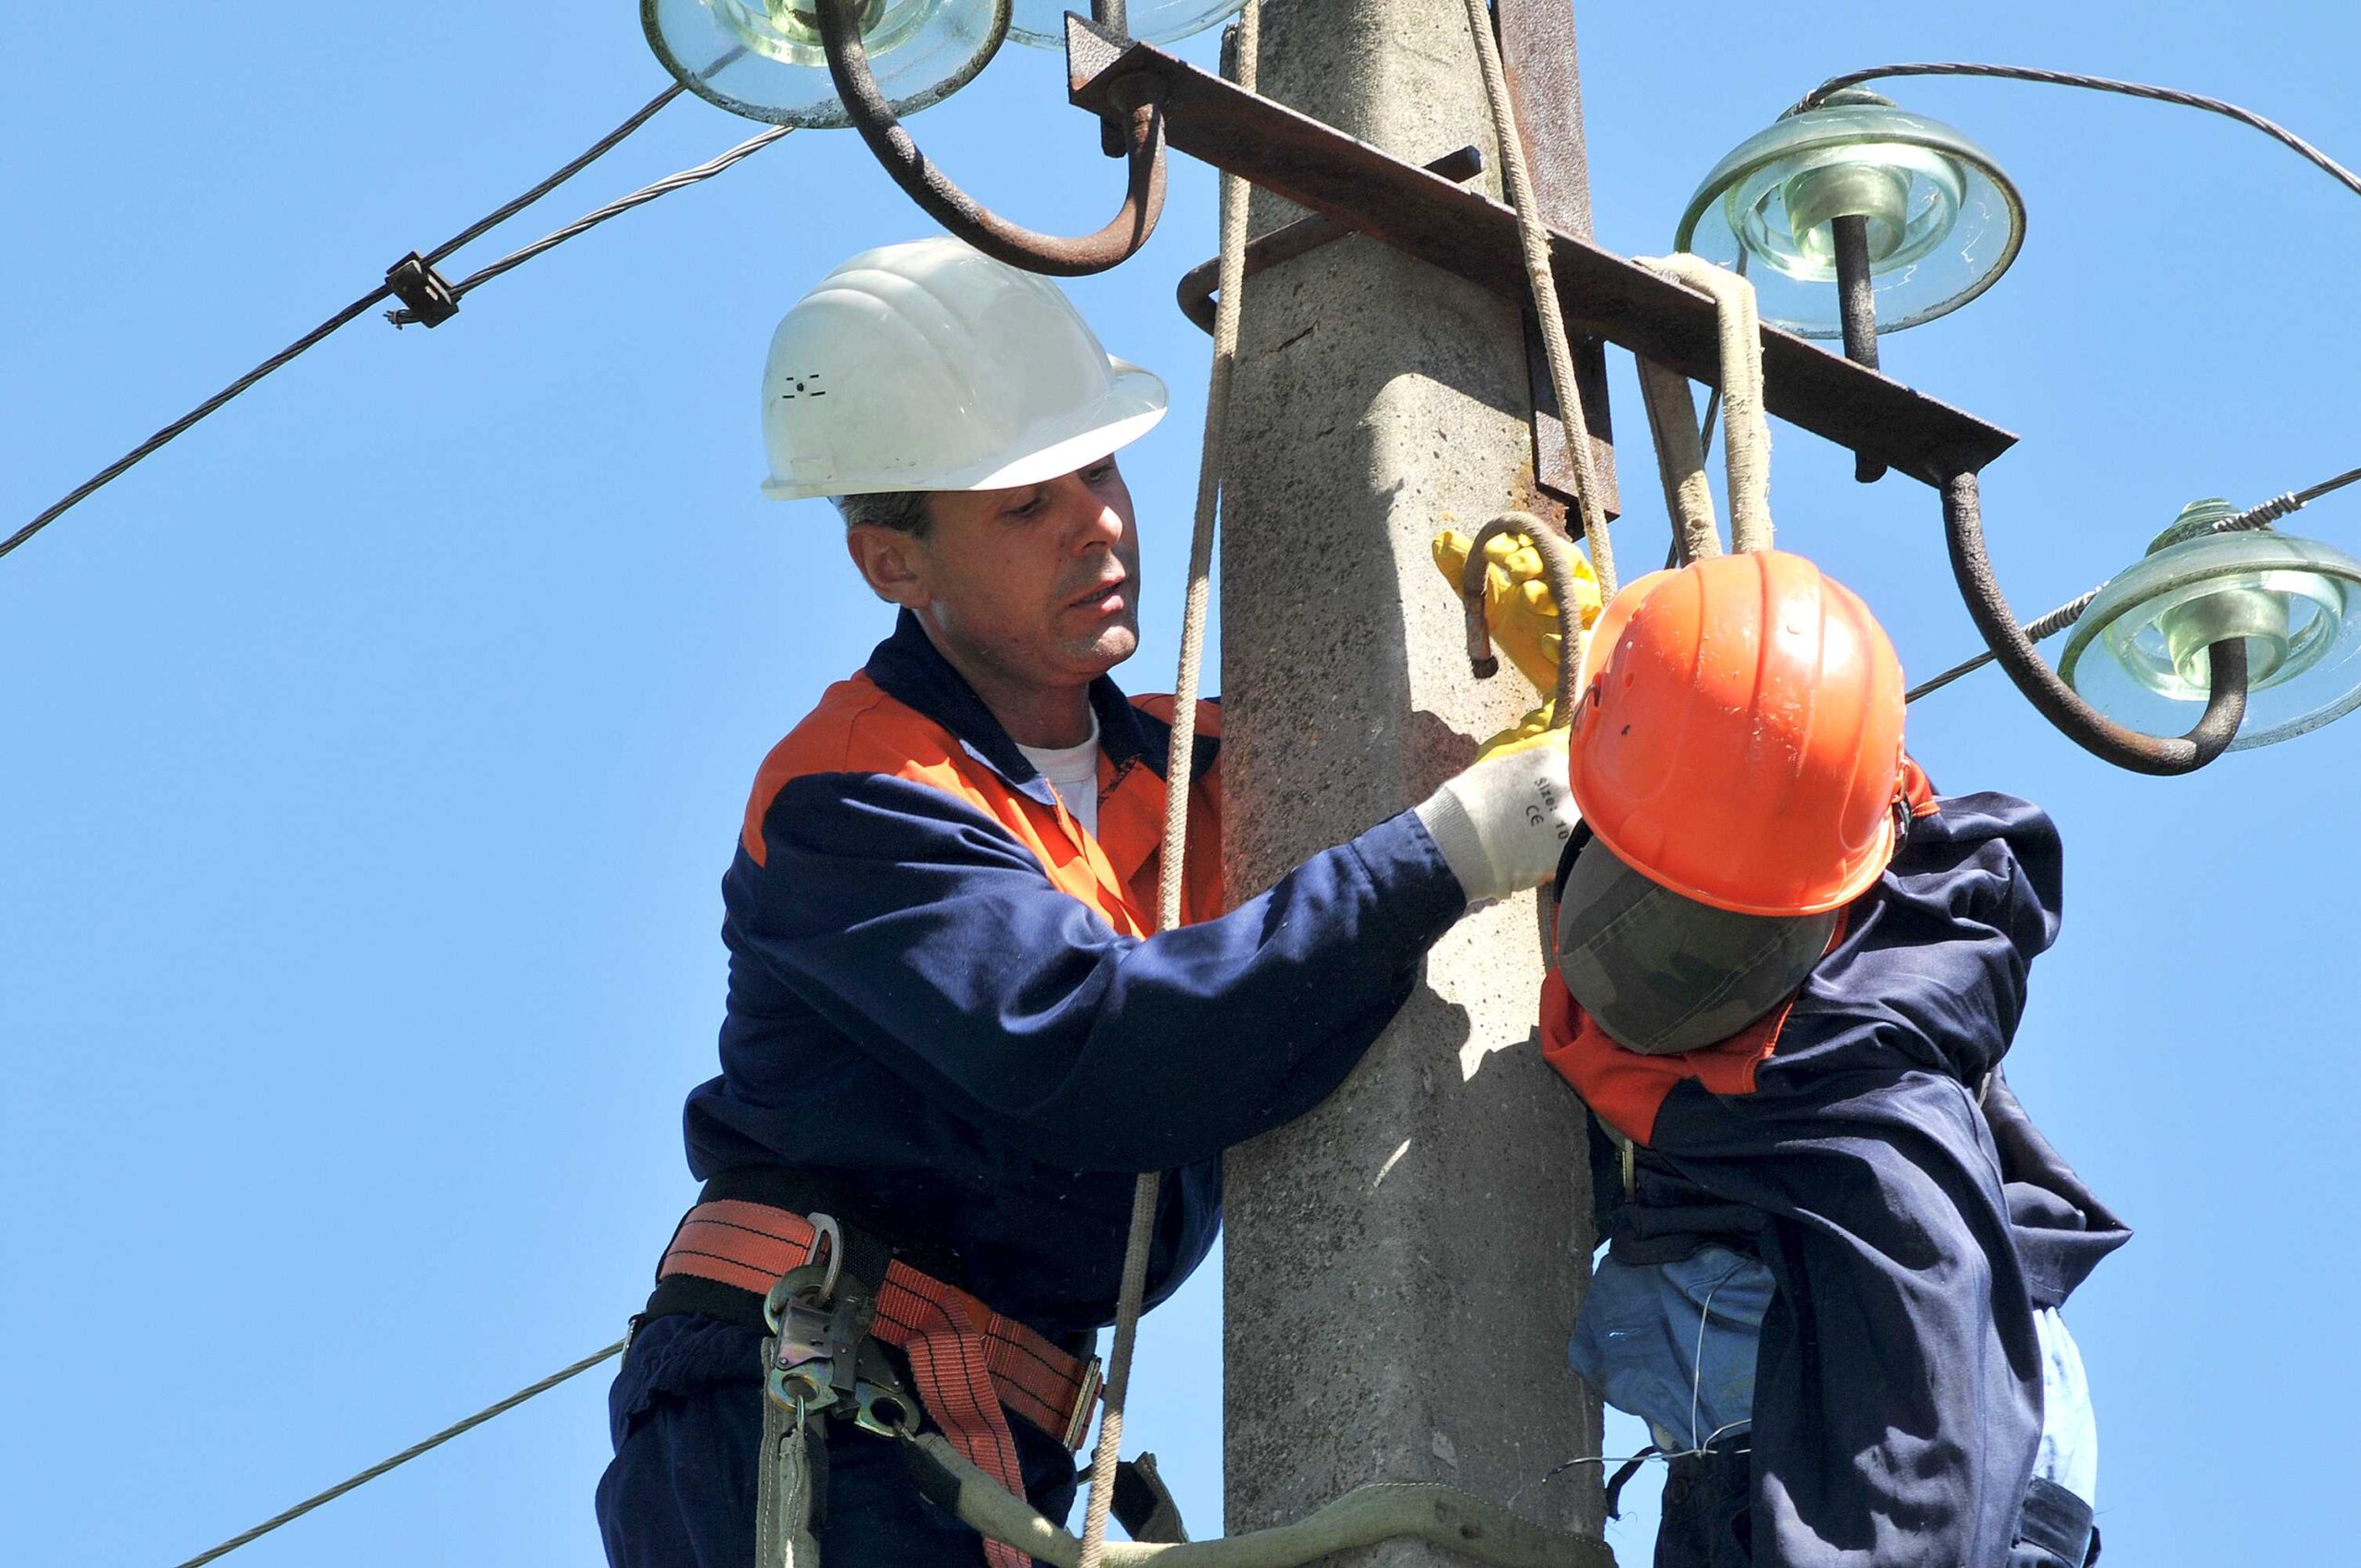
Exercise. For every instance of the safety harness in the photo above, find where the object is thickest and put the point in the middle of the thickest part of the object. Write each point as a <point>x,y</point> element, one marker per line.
<point>760,1250</point>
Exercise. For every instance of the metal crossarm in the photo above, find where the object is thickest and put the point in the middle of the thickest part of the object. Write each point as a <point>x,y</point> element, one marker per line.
<point>1466,234</point>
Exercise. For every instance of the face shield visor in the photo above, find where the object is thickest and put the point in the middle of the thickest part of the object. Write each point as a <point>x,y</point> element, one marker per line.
<point>1662,974</point>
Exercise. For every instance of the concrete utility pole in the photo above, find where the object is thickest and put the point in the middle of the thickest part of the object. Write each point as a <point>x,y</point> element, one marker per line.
<point>1405,1262</point>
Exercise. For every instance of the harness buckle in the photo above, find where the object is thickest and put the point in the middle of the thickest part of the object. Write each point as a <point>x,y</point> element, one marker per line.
<point>1086,1400</point>
<point>816,1331</point>
<point>810,1352</point>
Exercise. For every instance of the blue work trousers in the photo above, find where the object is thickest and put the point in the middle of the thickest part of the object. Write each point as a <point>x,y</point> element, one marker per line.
<point>686,1413</point>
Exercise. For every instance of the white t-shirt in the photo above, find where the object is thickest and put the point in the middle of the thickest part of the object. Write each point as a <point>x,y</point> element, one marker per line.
<point>1073,772</point>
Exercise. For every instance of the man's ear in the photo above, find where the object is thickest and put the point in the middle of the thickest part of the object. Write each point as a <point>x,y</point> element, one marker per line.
<point>891,562</point>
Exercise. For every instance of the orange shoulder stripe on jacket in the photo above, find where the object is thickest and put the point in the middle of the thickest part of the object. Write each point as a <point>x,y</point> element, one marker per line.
<point>1626,1088</point>
<point>858,729</point>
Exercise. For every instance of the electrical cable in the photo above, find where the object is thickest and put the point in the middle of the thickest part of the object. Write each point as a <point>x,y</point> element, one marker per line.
<point>2271,129</point>
<point>588,155</point>
<point>122,465</point>
<point>2257,517</point>
<point>591,220</point>
<point>406,1455</point>
<point>573,166</point>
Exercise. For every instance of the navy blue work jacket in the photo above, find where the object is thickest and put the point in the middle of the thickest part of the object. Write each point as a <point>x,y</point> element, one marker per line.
<point>1910,1229</point>
<point>946,996</point>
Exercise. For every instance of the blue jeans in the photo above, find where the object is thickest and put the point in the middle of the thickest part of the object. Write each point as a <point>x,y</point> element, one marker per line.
<point>1674,1344</point>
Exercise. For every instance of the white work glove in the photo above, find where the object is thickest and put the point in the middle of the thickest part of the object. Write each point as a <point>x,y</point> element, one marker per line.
<point>1503,823</point>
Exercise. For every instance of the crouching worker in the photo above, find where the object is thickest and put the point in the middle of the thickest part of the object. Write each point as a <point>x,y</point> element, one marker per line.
<point>1786,973</point>
<point>953,1036</point>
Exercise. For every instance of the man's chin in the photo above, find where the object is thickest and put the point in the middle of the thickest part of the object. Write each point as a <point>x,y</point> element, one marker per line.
<point>1109,647</point>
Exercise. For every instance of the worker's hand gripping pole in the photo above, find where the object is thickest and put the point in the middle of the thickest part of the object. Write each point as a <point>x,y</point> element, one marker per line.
<point>960,213</point>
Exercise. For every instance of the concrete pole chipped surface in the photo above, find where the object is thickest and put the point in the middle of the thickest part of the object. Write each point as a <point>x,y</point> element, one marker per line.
<point>1405,1262</point>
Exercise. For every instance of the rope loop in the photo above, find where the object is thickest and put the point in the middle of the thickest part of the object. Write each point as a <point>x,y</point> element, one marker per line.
<point>1746,444</point>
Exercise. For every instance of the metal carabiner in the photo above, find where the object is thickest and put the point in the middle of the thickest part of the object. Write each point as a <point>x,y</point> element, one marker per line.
<point>826,1228</point>
<point>888,1412</point>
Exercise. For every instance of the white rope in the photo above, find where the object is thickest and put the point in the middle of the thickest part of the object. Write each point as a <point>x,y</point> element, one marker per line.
<point>1178,768</point>
<point>1533,236</point>
<point>1746,443</point>
<point>1680,461</point>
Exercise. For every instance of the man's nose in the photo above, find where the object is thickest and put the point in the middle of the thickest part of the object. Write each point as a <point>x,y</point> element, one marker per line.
<point>1091,522</point>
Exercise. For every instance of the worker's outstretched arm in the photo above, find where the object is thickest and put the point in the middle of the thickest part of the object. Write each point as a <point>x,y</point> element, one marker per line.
<point>920,928</point>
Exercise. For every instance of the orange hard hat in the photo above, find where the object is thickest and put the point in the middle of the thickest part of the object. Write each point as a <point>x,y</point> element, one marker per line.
<point>1741,742</point>
<point>1611,621</point>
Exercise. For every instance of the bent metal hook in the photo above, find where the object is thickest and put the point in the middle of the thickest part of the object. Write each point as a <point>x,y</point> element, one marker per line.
<point>2225,706</point>
<point>968,219</point>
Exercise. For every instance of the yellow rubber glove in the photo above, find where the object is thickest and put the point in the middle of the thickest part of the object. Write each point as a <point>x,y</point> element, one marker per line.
<point>1531,731</point>
<point>1517,605</point>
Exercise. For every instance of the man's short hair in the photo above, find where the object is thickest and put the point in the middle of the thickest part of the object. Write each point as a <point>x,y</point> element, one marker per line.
<point>903,511</point>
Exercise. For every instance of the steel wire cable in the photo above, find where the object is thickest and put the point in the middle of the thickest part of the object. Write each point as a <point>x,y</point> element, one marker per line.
<point>507,210</point>
<point>2271,129</point>
<point>592,219</point>
<point>406,1455</point>
<point>2261,515</point>
<point>588,155</point>
<point>2066,614</point>
<point>123,465</point>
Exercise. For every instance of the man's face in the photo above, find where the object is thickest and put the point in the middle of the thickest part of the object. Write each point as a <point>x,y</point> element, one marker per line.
<point>1039,585</point>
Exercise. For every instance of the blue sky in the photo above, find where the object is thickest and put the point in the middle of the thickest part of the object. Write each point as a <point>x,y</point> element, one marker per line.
<point>372,756</point>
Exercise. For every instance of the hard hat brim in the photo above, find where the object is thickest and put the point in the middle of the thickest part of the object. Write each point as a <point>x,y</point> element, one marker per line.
<point>1129,409</point>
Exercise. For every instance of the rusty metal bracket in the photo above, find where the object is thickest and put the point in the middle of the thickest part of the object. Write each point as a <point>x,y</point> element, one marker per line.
<point>1474,237</point>
<point>1202,282</point>
<point>1546,90</point>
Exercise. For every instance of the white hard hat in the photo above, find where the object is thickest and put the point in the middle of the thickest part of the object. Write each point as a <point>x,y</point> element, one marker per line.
<point>930,366</point>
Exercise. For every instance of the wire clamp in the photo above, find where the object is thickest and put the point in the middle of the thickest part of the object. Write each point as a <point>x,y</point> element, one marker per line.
<point>426,297</point>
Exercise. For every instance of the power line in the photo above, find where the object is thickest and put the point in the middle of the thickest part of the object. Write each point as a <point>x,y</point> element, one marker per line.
<point>588,155</point>
<point>406,1456</point>
<point>2271,129</point>
<point>121,465</point>
<point>590,221</point>
<point>2066,614</point>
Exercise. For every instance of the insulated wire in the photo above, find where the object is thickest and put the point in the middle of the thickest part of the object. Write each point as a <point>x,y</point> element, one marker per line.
<point>591,220</point>
<point>122,465</point>
<point>406,1455</point>
<point>588,155</point>
<point>582,160</point>
<point>2271,129</point>
<point>2066,614</point>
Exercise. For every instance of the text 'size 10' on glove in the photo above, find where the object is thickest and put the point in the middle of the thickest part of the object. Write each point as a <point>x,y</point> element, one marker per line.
<point>1502,824</point>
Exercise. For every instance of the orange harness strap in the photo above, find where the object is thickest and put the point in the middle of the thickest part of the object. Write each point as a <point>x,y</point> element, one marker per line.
<point>967,1360</point>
